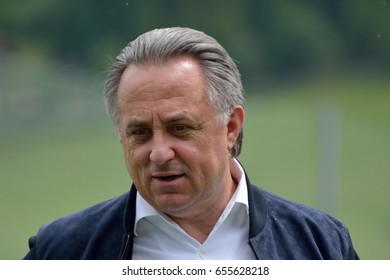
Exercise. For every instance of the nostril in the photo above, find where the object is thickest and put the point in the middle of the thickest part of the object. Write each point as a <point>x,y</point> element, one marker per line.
<point>161,155</point>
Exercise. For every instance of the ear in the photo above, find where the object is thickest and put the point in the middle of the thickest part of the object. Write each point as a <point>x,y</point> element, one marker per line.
<point>234,125</point>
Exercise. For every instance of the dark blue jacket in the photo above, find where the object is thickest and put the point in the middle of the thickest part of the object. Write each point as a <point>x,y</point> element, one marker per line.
<point>279,229</point>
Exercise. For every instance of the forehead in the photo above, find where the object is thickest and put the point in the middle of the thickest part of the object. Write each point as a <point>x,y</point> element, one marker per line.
<point>171,85</point>
<point>182,72</point>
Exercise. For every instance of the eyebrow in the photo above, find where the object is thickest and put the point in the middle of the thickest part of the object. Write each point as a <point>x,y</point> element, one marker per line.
<point>136,124</point>
<point>177,118</point>
<point>171,119</point>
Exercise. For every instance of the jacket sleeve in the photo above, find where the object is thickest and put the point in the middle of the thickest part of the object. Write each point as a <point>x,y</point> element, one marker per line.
<point>31,255</point>
<point>93,233</point>
<point>352,254</point>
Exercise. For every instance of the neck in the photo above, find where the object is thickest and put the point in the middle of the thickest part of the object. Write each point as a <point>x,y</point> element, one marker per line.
<point>200,226</point>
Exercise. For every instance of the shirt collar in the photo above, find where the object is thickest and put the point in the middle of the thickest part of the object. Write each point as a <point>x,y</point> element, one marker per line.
<point>144,209</point>
<point>241,194</point>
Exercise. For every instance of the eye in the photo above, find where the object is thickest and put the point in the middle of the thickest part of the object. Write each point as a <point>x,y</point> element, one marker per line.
<point>180,129</point>
<point>139,132</point>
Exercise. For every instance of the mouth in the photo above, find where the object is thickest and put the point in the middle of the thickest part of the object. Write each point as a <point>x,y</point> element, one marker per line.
<point>167,177</point>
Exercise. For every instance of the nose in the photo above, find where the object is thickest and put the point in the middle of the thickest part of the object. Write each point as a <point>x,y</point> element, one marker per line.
<point>161,151</point>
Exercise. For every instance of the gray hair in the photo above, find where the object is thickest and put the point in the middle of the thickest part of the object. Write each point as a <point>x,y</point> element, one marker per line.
<point>157,46</point>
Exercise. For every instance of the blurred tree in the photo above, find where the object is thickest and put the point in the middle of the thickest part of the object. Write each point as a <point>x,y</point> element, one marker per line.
<point>366,31</point>
<point>267,37</point>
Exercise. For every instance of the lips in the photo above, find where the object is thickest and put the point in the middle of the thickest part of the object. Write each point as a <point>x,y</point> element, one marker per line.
<point>167,177</point>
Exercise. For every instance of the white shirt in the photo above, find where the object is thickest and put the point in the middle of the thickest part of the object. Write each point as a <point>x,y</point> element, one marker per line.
<point>158,237</point>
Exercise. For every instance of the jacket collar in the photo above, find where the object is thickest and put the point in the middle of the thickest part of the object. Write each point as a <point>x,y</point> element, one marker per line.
<point>257,209</point>
<point>257,217</point>
<point>128,225</point>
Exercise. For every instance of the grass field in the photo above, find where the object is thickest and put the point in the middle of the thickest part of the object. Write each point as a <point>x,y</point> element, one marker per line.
<point>57,169</point>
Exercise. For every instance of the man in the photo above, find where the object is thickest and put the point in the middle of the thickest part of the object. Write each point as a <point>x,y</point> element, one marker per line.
<point>176,101</point>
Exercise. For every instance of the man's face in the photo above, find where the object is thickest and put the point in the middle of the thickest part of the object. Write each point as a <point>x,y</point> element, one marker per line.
<point>176,150</point>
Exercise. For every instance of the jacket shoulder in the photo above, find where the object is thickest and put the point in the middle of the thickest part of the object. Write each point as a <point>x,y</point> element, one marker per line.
<point>95,232</point>
<point>297,231</point>
<point>280,207</point>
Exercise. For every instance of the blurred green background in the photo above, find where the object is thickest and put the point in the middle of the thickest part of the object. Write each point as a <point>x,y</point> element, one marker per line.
<point>317,84</point>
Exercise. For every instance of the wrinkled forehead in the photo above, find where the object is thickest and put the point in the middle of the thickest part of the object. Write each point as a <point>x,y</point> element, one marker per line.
<point>180,79</point>
<point>180,71</point>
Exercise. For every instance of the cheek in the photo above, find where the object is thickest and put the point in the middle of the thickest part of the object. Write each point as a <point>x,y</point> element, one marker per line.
<point>214,147</point>
<point>135,159</point>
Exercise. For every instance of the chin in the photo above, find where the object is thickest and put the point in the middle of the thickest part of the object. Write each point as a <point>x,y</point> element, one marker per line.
<point>172,203</point>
